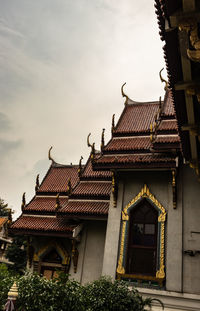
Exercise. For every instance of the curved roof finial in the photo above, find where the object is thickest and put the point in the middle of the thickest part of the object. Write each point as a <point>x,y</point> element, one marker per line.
<point>163,80</point>
<point>113,123</point>
<point>91,146</point>
<point>102,140</point>
<point>49,155</point>
<point>23,201</point>
<point>88,141</point>
<point>69,187</point>
<point>37,184</point>
<point>123,94</point>
<point>80,168</point>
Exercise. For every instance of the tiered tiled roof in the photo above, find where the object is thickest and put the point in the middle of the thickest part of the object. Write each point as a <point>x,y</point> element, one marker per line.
<point>43,225</point>
<point>39,215</point>
<point>57,177</point>
<point>92,194</point>
<point>132,144</point>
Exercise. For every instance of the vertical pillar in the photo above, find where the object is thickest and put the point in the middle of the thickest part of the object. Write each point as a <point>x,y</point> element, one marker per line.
<point>112,234</point>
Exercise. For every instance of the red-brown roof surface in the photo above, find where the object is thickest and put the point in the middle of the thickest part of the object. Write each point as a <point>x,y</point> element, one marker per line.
<point>42,224</point>
<point>86,208</point>
<point>135,161</point>
<point>137,117</point>
<point>131,143</point>
<point>91,189</point>
<point>168,139</point>
<point>44,204</point>
<point>57,177</point>
<point>89,173</point>
<point>131,146</point>
<point>168,125</point>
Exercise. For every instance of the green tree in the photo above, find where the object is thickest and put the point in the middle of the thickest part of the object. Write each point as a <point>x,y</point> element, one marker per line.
<point>16,252</point>
<point>4,210</point>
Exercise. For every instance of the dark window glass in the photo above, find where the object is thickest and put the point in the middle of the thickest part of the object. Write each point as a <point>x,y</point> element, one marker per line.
<point>142,243</point>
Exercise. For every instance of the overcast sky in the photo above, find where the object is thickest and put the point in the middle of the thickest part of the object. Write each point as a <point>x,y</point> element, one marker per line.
<point>62,64</point>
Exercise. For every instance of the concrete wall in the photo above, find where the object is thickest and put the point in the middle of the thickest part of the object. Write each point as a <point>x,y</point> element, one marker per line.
<point>90,247</point>
<point>94,251</point>
<point>159,183</point>
<point>191,230</point>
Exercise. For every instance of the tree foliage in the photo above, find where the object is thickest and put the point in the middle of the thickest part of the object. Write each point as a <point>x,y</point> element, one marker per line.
<point>16,252</point>
<point>4,211</point>
<point>6,281</point>
<point>37,293</point>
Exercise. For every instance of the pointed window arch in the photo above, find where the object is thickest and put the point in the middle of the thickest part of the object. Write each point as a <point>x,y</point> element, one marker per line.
<point>51,258</point>
<point>141,254</point>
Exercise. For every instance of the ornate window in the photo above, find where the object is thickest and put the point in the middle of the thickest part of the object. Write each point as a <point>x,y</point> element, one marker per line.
<point>51,258</point>
<point>141,254</point>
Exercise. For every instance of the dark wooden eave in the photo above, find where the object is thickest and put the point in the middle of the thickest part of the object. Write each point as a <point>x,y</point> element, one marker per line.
<point>183,73</point>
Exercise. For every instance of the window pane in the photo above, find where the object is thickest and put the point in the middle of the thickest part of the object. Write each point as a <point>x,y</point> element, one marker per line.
<point>137,234</point>
<point>149,229</point>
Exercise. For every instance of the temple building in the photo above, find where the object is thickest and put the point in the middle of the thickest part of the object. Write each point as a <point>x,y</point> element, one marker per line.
<point>132,211</point>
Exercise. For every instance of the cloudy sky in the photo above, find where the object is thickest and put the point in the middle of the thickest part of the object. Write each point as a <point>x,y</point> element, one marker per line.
<point>62,64</point>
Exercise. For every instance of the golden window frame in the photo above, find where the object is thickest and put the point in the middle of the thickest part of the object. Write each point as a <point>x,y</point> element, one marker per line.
<point>160,273</point>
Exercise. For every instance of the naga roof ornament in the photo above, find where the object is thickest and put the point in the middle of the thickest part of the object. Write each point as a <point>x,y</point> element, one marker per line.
<point>92,146</point>
<point>23,201</point>
<point>69,186</point>
<point>102,140</point>
<point>49,155</point>
<point>163,80</point>
<point>123,94</point>
<point>113,123</point>
<point>80,168</point>
<point>37,183</point>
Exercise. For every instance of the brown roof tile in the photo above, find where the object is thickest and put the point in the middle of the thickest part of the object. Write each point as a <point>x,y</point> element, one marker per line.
<point>57,178</point>
<point>167,139</point>
<point>44,204</point>
<point>42,224</point>
<point>168,107</point>
<point>133,143</point>
<point>168,125</point>
<point>135,160</point>
<point>137,117</point>
<point>92,189</point>
<point>86,207</point>
<point>89,173</point>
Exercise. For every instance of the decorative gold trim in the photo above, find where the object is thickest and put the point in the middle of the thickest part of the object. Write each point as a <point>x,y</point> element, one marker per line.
<point>144,193</point>
<point>160,274</point>
<point>191,27</point>
<point>114,189</point>
<point>57,206</point>
<point>120,268</point>
<point>174,188</point>
<point>69,186</point>
<point>61,251</point>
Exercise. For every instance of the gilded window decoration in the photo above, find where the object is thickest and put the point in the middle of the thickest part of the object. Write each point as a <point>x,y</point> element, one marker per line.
<point>144,194</point>
<point>42,252</point>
